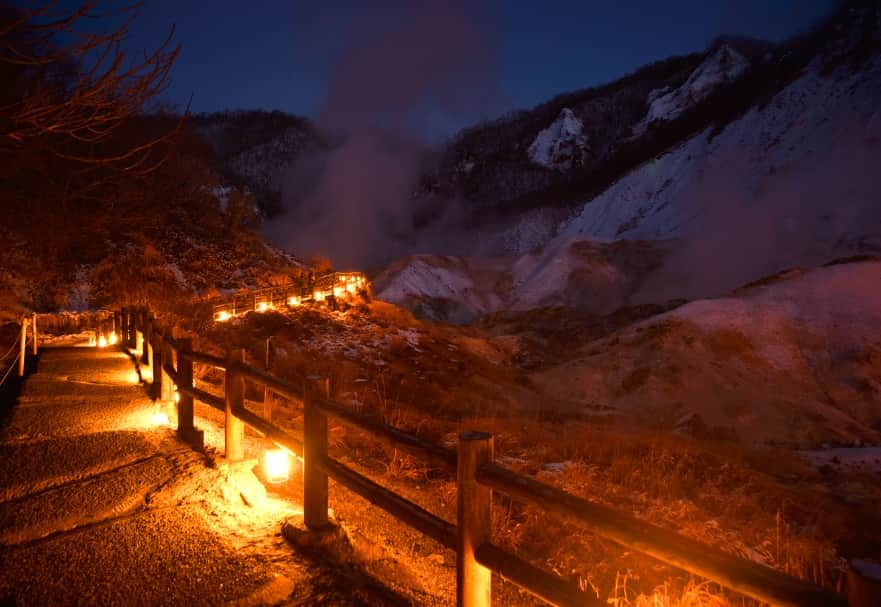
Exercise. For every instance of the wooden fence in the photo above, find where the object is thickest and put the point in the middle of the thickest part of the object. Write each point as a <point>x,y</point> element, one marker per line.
<point>327,287</point>
<point>477,477</point>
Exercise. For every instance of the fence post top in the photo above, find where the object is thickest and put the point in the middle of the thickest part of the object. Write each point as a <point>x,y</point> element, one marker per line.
<point>473,435</point>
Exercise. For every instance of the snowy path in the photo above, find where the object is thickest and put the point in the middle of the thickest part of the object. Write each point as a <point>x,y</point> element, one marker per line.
<point>99,505</point>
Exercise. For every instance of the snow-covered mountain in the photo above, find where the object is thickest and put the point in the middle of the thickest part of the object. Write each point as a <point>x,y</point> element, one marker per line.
<point>720,68</point>
<point>561,146</point>
<point>771,165</point>
<point>598,277</point>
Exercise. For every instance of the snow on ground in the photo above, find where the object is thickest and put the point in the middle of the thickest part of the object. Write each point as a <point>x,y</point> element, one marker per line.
<point>562,145</point>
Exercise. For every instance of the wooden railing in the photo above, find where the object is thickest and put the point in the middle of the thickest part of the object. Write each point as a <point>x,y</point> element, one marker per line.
<point>477,477</point>
<point>25,343</point>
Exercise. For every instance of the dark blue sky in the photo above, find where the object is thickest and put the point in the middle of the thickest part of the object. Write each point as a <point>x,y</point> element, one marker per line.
<point>282,55</point>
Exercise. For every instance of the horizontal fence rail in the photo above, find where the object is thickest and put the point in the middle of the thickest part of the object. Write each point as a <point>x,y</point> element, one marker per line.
<point>477,476</point>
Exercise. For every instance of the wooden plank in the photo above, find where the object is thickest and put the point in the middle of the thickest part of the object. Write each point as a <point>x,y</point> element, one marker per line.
<point>185,423</point>
<point>390,435</point>
<point>737,574</point>
<point>208,359</point>
<point>314,454</point>
<point>546,586</point>
<point>273,383</point>
<point>402,509</point>
<point>34,333</point>
<point>212,400</point>
<point>271,431</point>
<point>22,346</point>
<point>473,521</point>
<point>234,391</point>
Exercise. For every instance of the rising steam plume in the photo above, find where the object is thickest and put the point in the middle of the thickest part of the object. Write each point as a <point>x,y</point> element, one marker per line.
<point>401,72</point>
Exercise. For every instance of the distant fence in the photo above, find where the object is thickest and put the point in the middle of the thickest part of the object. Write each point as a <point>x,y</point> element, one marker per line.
<point>327,287</point>
<point>477,557</point>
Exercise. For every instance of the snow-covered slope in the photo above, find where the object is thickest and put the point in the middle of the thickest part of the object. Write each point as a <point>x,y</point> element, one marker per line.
<point>562,145</point>
<point>797,360</point>
<point>593,276</point>
<point>789,183</point>
<point>722,67</point>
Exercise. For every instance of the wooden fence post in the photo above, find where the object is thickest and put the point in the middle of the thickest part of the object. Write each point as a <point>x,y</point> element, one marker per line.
<point>156,386</point>
<point>123,328</point>
<point>267,393</point>
<point>132,337</point>
<point>314,453</point>
<point>23,349</point>
<point>473,520</point>
<point>148,335</point>
<point>166,388</point>
<point>34,333</point>
<point>186,427</point>
<point>234,392</point>
<point>863,584</point>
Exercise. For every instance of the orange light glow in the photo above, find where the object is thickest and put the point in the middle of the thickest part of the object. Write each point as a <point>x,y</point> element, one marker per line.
<point>176,395</point>
<point>102,341</point>
<point>276,465</point>
<point>160,419</point>
<point>293,300</point>
<point>222,316</point>
<point>113,339</point>
<point>263,306</point>
<point>318,296</point>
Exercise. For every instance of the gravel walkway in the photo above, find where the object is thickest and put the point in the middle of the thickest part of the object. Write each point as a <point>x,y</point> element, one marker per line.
<point>99,505</point>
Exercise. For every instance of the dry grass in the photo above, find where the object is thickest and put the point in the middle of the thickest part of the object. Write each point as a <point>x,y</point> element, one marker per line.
<point>766,505</point>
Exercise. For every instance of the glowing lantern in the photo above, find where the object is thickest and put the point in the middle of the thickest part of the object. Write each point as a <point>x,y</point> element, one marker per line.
<point>113,339</point>
<point>102,341</point>
<point>223,315</point>
<point>276,465</point>
<point>318,296</point>
<point>293,300</point>
<point>263,306</point>
<point>338,291</point>
<point>160,419</point>
<point>176,395</point>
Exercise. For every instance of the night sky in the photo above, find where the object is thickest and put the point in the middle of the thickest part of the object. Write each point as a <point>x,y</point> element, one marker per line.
<point>281,55</point>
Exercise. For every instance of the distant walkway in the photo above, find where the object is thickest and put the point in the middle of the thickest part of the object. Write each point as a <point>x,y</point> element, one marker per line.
<point>100,505</point>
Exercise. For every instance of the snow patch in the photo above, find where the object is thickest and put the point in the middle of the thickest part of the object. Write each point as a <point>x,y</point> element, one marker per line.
<point>562,145</point>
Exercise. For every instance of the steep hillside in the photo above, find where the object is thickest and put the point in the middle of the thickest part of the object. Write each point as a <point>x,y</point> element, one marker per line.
<point>638,146</point>
<point>795,360</point>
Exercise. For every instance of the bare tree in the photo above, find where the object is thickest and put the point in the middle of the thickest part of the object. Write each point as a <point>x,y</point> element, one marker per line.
<point>71,91</point>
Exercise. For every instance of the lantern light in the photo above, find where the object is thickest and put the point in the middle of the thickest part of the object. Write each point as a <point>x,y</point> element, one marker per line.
<point>276,465</point>
<point>102,341</point>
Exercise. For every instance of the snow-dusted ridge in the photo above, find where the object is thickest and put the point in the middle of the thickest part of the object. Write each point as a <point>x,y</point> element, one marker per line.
<point>722,67</point>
